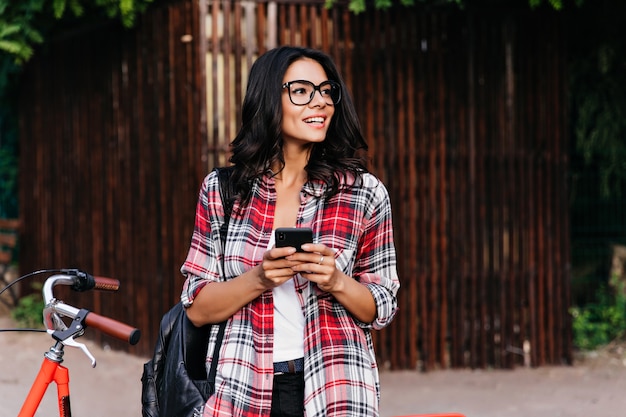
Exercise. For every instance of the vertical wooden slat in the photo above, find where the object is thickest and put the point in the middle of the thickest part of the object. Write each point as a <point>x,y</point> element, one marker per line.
<point>508,296</point>
<point>324,29</point>
<point>239,54</point>
<point>457,177</point>
<point>304,26</point>
<point>493,204</point>
<point>398,333</point>
<point>216,105</point>
<point>410,282</point>
<point>262,23</point>
<point>473,186</point>
<point>422,190</point>
<point>440,134</point>
<point>432,191</point>
<point>227,86</point>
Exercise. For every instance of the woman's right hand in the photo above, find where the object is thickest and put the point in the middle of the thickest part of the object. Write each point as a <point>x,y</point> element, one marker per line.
<point>274,270</point>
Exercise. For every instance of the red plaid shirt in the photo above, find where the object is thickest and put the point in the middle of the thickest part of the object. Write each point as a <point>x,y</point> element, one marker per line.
<point>341,374</point>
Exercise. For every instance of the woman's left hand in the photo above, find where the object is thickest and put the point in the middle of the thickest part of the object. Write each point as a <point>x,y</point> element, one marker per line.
<point>318,265</point>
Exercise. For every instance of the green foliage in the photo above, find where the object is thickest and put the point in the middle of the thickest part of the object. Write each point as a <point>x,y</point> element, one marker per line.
<point>17,31</point>
<point>23,23</point>
<point>598,86</point>
<point>359,6</point>
<point>556,4</point>
<point>8,142</point>
<point>598,323</point>
<point>8,183</point>
<point>600,106</point>
<point>8,151</point>
<point>29,310</point>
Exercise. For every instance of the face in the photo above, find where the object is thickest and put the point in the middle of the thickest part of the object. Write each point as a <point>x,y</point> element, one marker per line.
<point>308,123</point>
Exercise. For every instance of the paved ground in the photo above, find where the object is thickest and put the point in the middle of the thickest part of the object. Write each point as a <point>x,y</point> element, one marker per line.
<point>594,387</point>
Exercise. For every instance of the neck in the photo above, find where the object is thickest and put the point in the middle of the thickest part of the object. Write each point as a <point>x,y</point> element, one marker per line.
<point>291,175</point>
<point>293,172</point>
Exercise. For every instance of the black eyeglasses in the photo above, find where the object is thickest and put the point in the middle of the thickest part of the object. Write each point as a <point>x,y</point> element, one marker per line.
<point>301,92</point>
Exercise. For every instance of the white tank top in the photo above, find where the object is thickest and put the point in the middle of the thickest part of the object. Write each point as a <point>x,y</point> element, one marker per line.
<point>288,321</point>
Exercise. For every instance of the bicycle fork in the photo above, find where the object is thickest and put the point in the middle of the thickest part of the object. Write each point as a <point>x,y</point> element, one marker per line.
<point>51,371</point>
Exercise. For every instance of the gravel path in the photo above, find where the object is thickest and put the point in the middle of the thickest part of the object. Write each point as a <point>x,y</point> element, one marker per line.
<point>594,387</point>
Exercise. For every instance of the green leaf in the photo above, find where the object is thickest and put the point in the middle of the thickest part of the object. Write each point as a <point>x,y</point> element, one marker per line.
<point>16,48</point>
<point>383,4</point>
<point>557,4</point>
<point>8,30</point>
<point>357,6</point>
<point>33,35</point>
<point>76,7</point>
<point>59,8</point>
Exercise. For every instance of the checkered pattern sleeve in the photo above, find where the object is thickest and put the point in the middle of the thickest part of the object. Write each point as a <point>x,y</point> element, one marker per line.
<point>376,258</point>
<point>202,264</point>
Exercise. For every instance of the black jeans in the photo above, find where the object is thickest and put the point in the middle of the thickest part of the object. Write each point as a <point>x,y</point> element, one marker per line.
<point>288,395</point>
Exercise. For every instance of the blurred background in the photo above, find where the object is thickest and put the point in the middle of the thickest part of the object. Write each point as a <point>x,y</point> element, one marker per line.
<point>497,126</point>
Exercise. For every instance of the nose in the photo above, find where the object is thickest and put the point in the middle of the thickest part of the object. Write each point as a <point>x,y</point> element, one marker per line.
<point>318,99</point>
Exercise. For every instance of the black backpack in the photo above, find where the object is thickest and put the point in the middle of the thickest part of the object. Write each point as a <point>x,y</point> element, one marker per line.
<point>174,381</point>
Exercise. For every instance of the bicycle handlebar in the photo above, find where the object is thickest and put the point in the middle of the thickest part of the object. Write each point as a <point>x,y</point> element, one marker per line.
<point>82,281</point>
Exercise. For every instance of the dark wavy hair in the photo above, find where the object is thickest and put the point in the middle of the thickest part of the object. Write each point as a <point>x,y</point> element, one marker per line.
<point>259,141</point>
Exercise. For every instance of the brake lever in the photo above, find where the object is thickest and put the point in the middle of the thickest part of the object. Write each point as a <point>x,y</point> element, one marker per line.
<point>64,334</point>
<point>73,343</point>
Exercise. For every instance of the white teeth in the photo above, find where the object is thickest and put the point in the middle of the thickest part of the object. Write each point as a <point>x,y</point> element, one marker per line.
<point>315,120</point>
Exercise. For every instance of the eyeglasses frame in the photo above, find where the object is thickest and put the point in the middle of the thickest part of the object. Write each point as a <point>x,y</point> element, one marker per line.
<point>332,83</point>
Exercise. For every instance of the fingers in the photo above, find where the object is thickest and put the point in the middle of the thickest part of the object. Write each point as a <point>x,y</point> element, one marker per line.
<point>275,268</point>
<point>276,262</point>
<point>324,272</point>
<point>315,253</point>
<point>316,263</point>
<point>278,253</point>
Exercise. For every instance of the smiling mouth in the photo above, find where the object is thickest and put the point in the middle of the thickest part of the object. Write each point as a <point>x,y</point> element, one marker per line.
<point>314,120</point>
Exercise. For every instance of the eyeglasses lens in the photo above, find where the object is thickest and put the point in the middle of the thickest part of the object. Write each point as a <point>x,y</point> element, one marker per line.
<point>302,92</point>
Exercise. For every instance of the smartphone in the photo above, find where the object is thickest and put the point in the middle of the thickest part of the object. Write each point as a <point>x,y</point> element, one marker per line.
<point>293,236</point>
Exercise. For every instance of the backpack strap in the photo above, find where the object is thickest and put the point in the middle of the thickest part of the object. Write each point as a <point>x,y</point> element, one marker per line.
<point>226,193</point>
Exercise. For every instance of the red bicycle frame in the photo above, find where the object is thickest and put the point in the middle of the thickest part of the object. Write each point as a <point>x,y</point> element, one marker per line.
<point>51,371</point>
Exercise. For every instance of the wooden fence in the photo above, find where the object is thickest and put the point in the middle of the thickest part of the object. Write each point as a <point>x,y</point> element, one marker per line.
<point>464,112</point>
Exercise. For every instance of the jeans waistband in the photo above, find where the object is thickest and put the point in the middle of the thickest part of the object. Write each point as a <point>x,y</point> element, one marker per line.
<point>289,367</point>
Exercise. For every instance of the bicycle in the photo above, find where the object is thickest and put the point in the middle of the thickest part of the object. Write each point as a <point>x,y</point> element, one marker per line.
<point>64,334</point>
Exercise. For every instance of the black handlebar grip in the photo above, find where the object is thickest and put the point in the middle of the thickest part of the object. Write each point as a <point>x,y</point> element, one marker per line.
<point>84,281</point>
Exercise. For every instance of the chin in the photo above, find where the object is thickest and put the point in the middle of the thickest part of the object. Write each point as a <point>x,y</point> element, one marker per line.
<point>318,140</point>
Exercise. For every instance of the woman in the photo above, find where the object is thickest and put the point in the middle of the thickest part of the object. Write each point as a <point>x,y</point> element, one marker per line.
<point>298,340</point>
